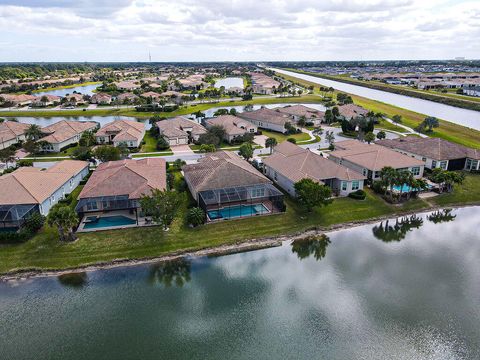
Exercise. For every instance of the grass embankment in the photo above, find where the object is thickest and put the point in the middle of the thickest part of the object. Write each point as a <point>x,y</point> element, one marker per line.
<point>447,130</point>
<point>443,98</point>
<point>45,252</point>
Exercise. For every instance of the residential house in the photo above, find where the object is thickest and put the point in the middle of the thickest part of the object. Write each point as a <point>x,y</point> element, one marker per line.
<point>30,190</point>
<point>290,163</point>
<point>436,152</point>
<point>127,85</point>
<point>225,186</point>
<point>180,131</point>
<point>117,186</point>
<point>297,112</point>
<point>121,132</point>
<point>12,132</point>
<point>101,99</point>
<point>17,100</point>
<point>370,159</point>
<point>64,133</point>
<point>153,96</point>
<point>263,84</point>
<point>472,91</point>
<point>174,96</point>
<point>234,126</point>
<point>350,111</point>
<point>127,97</point>
<point>267,119</point>
<point>46,100</point>
<point>74,99</point>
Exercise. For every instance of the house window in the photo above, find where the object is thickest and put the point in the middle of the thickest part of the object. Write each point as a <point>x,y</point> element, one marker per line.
<point>416,170</point>
<point>443,165</point>
<point>468,165</point>
<point>424,159</point>
<point>355,185</point>
<point>257,192</point>
<point>344,186</point>
<point>365,172</point>
<point>474,164</point>
<point>92,205</point>
<point>434,164</point>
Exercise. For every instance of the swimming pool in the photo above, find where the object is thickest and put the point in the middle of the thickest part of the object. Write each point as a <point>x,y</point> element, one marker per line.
<point>406,188</point>
<point>107,221</point>
<point>236,211</point>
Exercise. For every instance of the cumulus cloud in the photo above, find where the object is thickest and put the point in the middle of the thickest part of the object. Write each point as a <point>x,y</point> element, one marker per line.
<point>189,30</point>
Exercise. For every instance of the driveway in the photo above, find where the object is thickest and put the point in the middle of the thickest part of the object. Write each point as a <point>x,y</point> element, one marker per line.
<point>181,150</point>
<point>260,140</point>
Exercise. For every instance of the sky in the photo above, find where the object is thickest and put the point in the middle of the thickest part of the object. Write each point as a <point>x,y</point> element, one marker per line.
<point>238,30</point>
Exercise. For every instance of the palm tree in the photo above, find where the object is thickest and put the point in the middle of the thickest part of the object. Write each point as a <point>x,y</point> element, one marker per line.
<point>430,122</point>
<point>271,143</point>
<point>388,176</point>
<point>34,132</point>
<point>7,155</point>
<point>64,219</point>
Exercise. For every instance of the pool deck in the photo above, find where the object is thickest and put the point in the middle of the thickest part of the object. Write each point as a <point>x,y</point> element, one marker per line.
<point>142,222</point>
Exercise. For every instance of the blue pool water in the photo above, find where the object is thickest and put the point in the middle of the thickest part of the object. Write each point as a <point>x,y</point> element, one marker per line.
<point>406,188</point>
<point>237,211</point>
<point>109,221</point>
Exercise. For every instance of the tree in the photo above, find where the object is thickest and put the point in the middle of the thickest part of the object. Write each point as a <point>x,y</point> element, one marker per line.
<point>33,132</point>
<point>7,155</point>
<point>64,219</point>
<point>162,144</point>
<point>302,121</point>
<point>82,153</point>
<point>178,163</point>
<point>271,143</point>
<point>206,148</point>
<point>196,216</point>
<point>429,123</point>
<point>246,151</point>
<point>389,176</point>
<point>87,139</point>
<point>446,179</point>
<point>381,135</point>
<point>106,153</point>
<point>397,119</point>
<point>369,137</point>
<point>161,205</point>
<point>31,147</point>
<point>311,194</point>
<point>330,137</point>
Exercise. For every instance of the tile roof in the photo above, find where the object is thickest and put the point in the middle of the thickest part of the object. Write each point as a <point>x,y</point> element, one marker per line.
<point>433,148</point>
<point>30,185</point>
<point>233,125</point>
<point>296,163</point>
<point>372,156</point>
<point>301,110</point>
<point>126,177</point>
<point>178,127</point>
<point>222,169</point>
<point>124,130</point>
<point>351,111</point>
<point>266,115</point>
<point>66,129</point>
<point>11,129</point>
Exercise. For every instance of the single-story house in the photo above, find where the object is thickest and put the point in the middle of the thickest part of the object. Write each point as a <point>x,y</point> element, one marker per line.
<point>225,186</point>
<point>101,99</point>
<point>234,126</point>
<point>127,85</point>
<point>472,91</point>
<point>127,97</point>
<point>46,100</point>
<point>350,111</point>
<point>119,185</point>
<point>151,95</point>
<point>296,112</point>
<point>290,163</point>
<point>64,133</point>
<point>121,132</point>
<point>174,96</point>
<point>30,190</point>
<point>370,159</point>
<point>263,84</point>
<point>74,99</point>
<point>180,131</point>
<point>267,119</point>
<point>18,100</point>
<point>436,153</point>
<point>12,132</point>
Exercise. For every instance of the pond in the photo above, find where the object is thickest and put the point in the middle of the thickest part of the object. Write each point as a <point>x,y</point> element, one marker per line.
<point>83,89</point>
<point>406,289</point>
<point>229,82</point>
<point>465,117</point>
<point>102,120</point>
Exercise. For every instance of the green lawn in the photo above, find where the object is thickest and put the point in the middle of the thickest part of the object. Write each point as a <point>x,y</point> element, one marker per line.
<point>282,137</point>
<point>44,251</point>
<point>161,153</point>
<point>150,143</point>
<point>467,193</point>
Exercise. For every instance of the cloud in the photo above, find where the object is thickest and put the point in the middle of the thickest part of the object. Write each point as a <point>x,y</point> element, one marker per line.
<point>242,29</point>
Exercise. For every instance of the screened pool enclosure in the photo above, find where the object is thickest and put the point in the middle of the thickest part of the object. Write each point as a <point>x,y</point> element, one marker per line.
<point>12,217</point>
<point>241,201</point>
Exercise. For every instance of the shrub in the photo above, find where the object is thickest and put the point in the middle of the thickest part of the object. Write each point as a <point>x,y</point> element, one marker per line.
<point>378,187</point>
<point>15,237</point>
<point>358,195</point>
<point>25,162</point>
<point>162,144</point>
<point>195,216</point>
<point>292,140</point>
<point>34,222</point>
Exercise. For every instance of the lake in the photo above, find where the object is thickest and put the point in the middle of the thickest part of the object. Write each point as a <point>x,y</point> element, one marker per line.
<point>408,289</point>
<point>102,120</point>
<point>83,89</point>
<point>229,82</point>
<point>465,117</point>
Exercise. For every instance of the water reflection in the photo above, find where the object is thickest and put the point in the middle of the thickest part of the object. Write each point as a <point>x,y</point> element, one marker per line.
<point>440,216</point>
<point>75,280</point>
<point>170,272</point>
<point>315,245</point>
<point>397,231</point>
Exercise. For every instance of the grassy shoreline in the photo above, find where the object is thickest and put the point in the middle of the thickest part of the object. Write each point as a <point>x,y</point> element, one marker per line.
<point>65,87</point>
<point>45,253</point>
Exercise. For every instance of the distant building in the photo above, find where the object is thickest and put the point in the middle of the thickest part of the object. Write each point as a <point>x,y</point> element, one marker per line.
<point>101,99</point>
<point>472,91</point>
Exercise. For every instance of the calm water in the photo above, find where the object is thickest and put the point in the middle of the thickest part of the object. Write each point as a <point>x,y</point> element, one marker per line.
<point>229,82</point>
<point>469,118</point>
<point>409,290</point>
<point>102,120</point>
<point>85,90</point>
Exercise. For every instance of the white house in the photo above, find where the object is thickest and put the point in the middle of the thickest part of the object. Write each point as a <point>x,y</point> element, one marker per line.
<point>64,133</point>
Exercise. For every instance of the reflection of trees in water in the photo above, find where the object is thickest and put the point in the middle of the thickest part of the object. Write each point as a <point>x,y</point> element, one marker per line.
<point>311,245</point>
<point>440,216</point>
<point>170,272</point>
<point>74,280</point>
<point>396,232</point>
